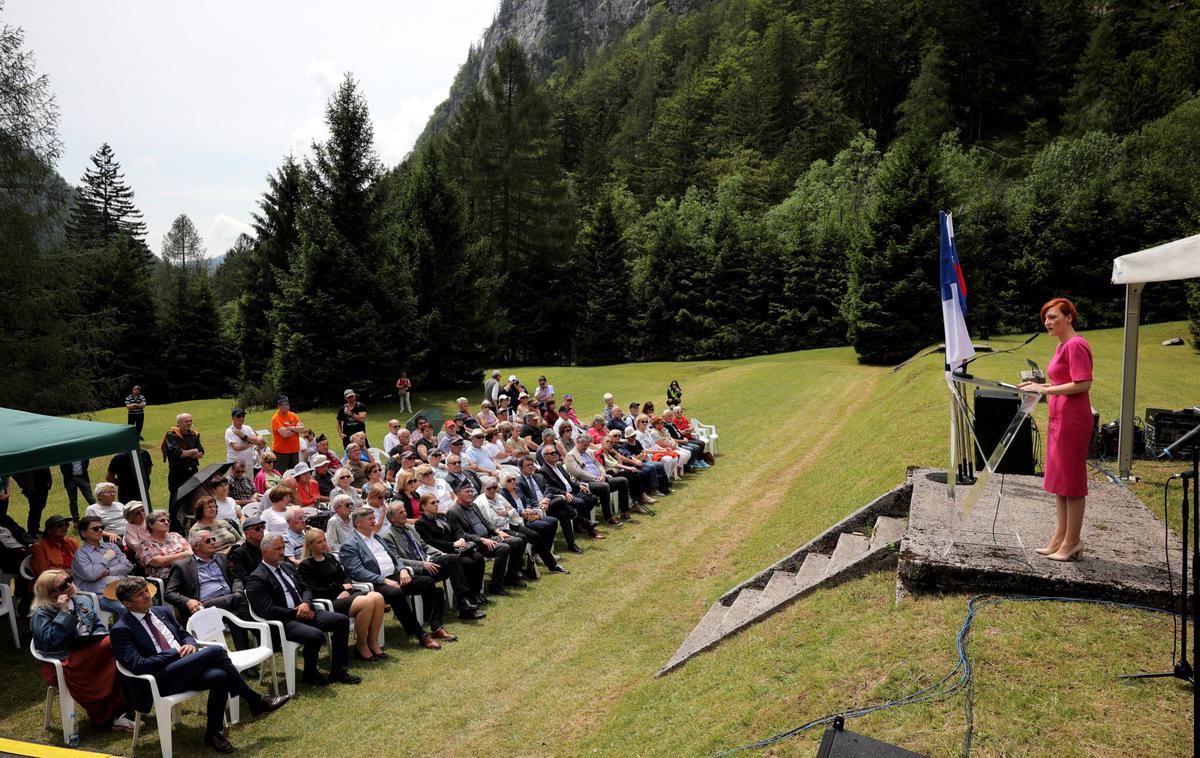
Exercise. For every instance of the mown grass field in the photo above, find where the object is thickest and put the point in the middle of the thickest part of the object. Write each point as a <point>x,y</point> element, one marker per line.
<point>566,667</point>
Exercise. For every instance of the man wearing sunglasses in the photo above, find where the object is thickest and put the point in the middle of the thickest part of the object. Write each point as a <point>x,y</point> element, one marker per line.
<point>245,557</point>
<point>204,581</point>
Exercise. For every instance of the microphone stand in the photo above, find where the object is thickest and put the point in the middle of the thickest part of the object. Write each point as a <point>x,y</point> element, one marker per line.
<point>1183,669</point>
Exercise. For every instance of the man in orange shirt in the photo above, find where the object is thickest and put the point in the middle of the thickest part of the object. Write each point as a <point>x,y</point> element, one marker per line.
<point>286,429</point>
<point>56,550</point>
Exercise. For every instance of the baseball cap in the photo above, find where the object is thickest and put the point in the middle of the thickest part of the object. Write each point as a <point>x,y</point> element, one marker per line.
<point>348,393</point>
<point>237,413</point>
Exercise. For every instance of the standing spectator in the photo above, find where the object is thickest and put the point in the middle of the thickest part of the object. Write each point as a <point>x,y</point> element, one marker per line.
<point>351,417</point>
<point>404,392</point>
<point>35,485</point>
<point>512,389</point>
<point>121,473</point>
<point>110,511</point>
<point>183,453</point>
<point>241,443</point>
<point>76,480</point>
<point>56,550</point>
<point>135,404</point>
<point>491,388</point>
<point>286,428</point>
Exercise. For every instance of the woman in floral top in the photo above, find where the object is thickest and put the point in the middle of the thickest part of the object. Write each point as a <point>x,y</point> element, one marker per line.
<point>163,548</point>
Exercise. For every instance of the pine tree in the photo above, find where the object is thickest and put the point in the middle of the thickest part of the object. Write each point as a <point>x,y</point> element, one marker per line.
<point>602,333</point>
<point>104,205</point>
<point>122,296</point>
<point>892,303</point>
<point>925,113</point>
<point>182,246</point>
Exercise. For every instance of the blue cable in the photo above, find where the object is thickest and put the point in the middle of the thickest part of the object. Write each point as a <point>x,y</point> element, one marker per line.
<point>937,691</point>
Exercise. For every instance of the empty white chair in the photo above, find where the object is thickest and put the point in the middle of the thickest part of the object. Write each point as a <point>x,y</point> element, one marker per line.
<point>9,608</point>
<point>208,627</point>
<point>66,703</point>
<point>166,710</point>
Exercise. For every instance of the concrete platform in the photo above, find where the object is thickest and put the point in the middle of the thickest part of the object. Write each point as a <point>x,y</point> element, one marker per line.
<point>1122,561</point>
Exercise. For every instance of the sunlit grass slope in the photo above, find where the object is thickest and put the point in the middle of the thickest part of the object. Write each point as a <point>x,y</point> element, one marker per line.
<point>567,667</point>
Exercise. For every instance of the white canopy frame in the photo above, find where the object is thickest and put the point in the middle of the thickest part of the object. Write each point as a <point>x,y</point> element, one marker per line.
<point>1164,263</point>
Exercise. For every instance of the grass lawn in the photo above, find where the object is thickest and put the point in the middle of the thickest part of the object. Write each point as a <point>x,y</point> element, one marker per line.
<point>566,667</point>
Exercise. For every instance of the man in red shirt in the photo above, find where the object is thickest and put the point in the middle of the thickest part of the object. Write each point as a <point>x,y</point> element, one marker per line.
<point>286,429</point>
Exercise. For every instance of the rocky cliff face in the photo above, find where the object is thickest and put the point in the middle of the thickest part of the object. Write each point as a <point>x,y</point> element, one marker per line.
<point>549,30</point>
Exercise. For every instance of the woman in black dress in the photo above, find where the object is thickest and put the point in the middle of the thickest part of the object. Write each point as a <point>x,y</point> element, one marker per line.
<point>327,579</point>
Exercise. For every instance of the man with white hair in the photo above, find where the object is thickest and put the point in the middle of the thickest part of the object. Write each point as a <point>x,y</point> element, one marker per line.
<point>609,405</point>
<point>183,452</point>
<point>476,458</point>
<point>204,580</point>
<point>405,545</point>
<point>293,538</point>
<point>392,438</point>
<point>111,513</point>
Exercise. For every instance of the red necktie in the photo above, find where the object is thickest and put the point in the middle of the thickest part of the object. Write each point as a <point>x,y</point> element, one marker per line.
<point>159,639</point>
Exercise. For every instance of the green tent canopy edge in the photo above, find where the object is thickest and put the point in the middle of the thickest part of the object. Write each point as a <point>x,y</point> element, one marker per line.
<point>31,441</point>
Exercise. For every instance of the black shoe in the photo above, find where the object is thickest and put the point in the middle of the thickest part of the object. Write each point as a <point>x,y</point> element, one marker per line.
<point>471,615</point>
<point>467,604</point>
<point>269,703</point>
<point>218,742</point>
<point>498,589</point>
<point>575,549</point>
<point>344,677</point>
<point>315,679</point>
<point>481,600</point>
<point>250,673</point>
<point>559,570</point>
<point>516,582</point>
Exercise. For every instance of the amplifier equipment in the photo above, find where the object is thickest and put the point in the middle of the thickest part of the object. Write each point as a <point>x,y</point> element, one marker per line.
<point>838,743</point>
<point>1165,426</point>
<point>994,409</point>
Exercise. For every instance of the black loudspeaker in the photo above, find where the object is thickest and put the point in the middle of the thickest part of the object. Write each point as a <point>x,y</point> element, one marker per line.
<point>994,409</point>
<point>838,743</point>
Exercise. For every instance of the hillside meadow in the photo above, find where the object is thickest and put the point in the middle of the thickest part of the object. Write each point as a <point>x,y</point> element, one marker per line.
<point>566,667</point>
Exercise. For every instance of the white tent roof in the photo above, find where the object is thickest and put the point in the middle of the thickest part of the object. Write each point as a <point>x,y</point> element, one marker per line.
<point>1175,260</point>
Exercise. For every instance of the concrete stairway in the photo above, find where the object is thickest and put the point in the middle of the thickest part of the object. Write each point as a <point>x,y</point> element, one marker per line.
<point>865,541</point>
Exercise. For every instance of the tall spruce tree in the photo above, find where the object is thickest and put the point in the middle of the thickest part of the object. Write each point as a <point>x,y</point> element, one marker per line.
<point>892,303</point>
<point>344,273</point>
<point>104,206</point>
<point>602,332</point>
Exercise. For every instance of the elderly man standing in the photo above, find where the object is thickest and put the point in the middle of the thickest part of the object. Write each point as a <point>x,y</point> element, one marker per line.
<point>366,559</point>
<point>277,593</point>
<point>405,544</point>
<point>183,451</point>
<point>491,388</point>
<point>286,430</point>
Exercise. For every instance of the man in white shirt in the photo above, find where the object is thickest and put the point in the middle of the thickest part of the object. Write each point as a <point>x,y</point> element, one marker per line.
<point>110,512</point>
<point>397,436</point>
<point>476,458</point>
<point>241,443</point>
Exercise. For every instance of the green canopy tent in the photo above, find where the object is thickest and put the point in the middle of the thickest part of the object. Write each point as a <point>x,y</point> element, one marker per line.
<point>31,441</point>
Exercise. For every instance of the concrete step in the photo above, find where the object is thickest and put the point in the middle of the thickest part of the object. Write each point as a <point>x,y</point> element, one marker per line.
<point>705,633</point>
<point>812,570</point>
<point>743,609</point>
<point>780,586</point>
<point>888,530</point>
<point>850,547</point>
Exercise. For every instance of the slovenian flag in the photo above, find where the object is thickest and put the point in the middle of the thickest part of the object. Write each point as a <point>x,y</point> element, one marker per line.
<point>954,299</point>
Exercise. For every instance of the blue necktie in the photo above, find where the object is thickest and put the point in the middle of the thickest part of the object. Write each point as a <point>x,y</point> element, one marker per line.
<point>413,548</point>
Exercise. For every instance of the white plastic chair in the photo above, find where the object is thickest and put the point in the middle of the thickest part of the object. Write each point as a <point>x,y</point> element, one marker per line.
<point>208,627</point>
<point>161,593</point>
<point>27,568</point>
<point>9,608</point>
<point>289,649</point>
<point>66,703</point>
<point>379,456</point>
<point>708,433</point>
<point>105,616</point>
<point>166,710</point>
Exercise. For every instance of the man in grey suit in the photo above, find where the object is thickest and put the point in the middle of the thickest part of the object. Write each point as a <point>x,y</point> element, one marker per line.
<point>204,581</point>
<point>365,558</point>
<point>407,547</point>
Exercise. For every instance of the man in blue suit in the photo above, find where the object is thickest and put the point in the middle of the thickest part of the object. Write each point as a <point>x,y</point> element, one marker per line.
<point>365,558</point>
<point>148,640</point>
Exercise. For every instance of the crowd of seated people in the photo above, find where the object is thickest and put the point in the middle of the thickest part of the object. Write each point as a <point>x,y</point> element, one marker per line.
<point>507,485</point>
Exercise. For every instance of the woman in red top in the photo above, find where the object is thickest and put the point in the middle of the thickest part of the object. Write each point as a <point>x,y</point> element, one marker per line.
<point>1070,427</point>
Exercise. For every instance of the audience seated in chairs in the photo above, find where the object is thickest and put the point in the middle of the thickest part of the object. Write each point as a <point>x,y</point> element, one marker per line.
<point>98,562</point>
<point>148,640</point>
<point>366,559</point>
<point>111,513</point>
<point>507,550</point>
<point>55,550</point>
<point>67,628</point>
<point>338,529</point>
<point>506,518</point>
<point>405,544</point>
<point>135,526</point>
<point>324,575</point>
<point>205,581</point>
<point>162,548</point>
<point>228,532</point>
<point>277,593</point>
<point>438,533</point>
<point>244,558</point>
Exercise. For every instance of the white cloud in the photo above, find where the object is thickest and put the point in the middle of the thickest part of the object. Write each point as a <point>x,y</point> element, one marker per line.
<point>222,233</point>
<point>325,79</point>
<point>394,136</point>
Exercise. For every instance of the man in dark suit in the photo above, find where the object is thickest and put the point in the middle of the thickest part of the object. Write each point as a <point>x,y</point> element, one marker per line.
<point>365,558</point>
<point>457,474</point>
<point>406,546</point>
<point>438,533</point>
<point>577,495</point>
<point>507,550</point>
<point>148,640</point>
<point>204,581</point>
<point>277,593</point>
<point>534,488</point>
<point>244,557</point>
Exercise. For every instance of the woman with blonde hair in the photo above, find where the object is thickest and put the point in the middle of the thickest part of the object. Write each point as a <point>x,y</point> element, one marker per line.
<point>343,480</point>
<point>406,493</point>
<point>67,627</point>
<point>325,576</point>
<point>668,458</point>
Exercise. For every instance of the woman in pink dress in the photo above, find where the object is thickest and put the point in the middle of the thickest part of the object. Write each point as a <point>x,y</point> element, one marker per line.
<point>1070,427</point>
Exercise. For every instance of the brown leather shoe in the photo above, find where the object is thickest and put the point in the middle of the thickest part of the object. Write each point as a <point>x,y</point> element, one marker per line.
<point>441,634</point>
<point>428,642</point>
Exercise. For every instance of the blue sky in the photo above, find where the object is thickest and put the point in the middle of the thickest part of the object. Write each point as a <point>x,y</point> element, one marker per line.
<point>201,101</point>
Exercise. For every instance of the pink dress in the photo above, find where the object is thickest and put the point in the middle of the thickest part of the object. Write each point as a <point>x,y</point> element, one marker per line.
<point>1070,427</point>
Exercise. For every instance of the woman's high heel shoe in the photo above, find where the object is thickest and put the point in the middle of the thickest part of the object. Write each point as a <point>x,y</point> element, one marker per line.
<point>1048,550</point>
<point>1075,554</point>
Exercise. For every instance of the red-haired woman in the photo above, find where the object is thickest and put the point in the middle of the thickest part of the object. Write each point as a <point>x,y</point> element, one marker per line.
<point>1070,427</point>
